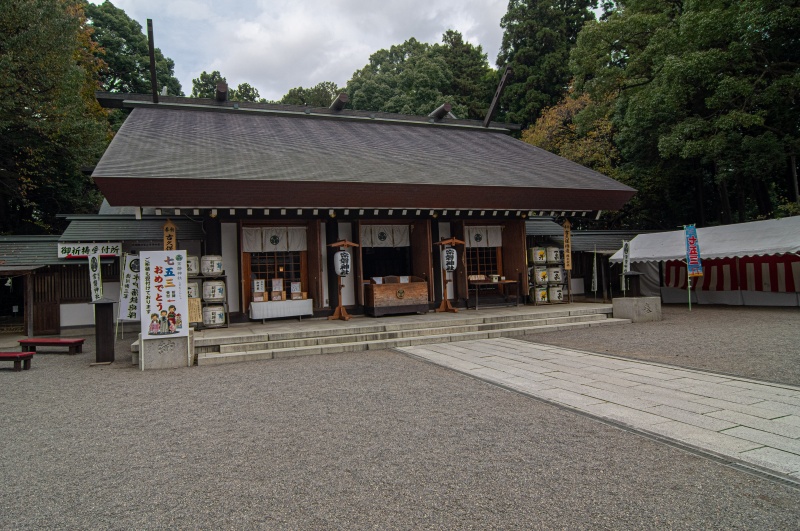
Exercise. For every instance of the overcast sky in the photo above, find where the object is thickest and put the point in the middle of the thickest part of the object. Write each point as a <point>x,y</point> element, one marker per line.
<point>276,45</point>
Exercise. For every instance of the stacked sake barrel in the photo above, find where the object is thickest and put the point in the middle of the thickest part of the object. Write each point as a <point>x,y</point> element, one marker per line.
<point>537,272</point>
<point>556,276</point>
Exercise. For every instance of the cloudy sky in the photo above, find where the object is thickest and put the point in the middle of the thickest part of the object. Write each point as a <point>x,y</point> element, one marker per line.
<point>276,45</point>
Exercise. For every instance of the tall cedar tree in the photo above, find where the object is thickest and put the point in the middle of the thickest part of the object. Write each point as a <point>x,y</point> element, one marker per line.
<point>50,123</point>
<point>537,38</point>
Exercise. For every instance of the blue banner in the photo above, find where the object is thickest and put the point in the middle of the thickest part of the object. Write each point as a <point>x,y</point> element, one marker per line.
<point>693,264</point>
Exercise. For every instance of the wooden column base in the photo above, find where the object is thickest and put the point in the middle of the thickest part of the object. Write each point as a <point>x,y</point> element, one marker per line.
<point>446,307</point>
<point>339,313</point>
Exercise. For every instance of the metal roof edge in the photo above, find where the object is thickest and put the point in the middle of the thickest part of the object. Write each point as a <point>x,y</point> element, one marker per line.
<point>133,104</point>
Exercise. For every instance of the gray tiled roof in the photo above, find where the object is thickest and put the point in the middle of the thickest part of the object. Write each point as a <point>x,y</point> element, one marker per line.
<point>105,228</point>
<point>194,144</point>
<point>605,241</point>
<point>543,227</point>
<point>19,253</point>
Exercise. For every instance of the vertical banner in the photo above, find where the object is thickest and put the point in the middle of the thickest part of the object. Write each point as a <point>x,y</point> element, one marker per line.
<point>693,264</point>
<point>567,245</point>
<point>95,276</point>
<point>129,289</point>
<point>626,257</point>
<point>170,236</point>
<point>164,294</point>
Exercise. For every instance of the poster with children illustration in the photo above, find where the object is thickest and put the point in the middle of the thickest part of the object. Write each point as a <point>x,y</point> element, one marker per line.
<point>163,292</point>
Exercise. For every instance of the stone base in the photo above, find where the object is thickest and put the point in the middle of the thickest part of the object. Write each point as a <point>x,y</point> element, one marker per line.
<point>166,353</point>
<point>637,309</point>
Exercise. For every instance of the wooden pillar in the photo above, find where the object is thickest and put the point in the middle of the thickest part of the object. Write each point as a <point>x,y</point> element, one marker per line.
<point>213,230</point>
<point>358,263</point>
<point>314,253</point>
<point>514,253</point>
<point>29,304</point>
<point>460,277</point>
<point>438,290</point>
<point>421,265</point>
<point>332,235</point>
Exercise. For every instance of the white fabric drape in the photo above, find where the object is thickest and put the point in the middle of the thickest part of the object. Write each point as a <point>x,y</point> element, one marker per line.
<point>491,236</point>
<point>296,239</point>
<point>366,236</point>
<point>274,239</point>
<point>251,240</point>
<point>385,236</point>
<point>400,235</point>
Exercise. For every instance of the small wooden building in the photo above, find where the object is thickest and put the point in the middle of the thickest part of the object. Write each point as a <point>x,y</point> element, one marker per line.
<point>273,185</point>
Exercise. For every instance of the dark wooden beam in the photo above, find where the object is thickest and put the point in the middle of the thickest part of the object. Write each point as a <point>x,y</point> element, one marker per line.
<point>339,103</point>
<point>222,91</point>
<point>152,50</point>
<point>440,111</point>
<point>496,100</point>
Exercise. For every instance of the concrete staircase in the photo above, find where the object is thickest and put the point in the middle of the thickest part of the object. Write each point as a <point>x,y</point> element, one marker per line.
<point>376,334</point>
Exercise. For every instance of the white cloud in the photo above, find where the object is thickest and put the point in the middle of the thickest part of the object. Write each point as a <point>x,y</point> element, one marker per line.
<point>278,45</point>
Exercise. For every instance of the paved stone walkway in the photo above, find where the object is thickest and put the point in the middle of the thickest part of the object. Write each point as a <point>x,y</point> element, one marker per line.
<point>754,423</point>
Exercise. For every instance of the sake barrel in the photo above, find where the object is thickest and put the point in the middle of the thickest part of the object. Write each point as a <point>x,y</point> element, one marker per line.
<point>213,315</point>
<point>556,293</point>
<point>193,289</point>
<point>213,290</point>
<point>554,255</point>
<point>538,294</point>
<point>539,255</point>
<point>540,275</point>
<point>192,265</point>
<point>555,275</point>
<point>211,265</point>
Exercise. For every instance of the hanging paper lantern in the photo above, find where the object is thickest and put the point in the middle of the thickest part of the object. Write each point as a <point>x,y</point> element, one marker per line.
<point>450,259</point>
<point>341,263</point>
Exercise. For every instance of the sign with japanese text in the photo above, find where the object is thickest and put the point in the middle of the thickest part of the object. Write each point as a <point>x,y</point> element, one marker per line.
<point>567,245</point>
<point>450,259</point>
<point>95,277</point>
<point>170,236</point>
<point>129,289</point>
<point>626,257</point>
<point>164,293</point>
<point>83,250</point>
<point>341,263</point>
<point>693,263</point>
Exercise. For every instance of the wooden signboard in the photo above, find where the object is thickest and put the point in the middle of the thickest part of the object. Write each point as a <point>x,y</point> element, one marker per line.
<point>195,311</point>
<point>170,236</point>
<point>567,246</point>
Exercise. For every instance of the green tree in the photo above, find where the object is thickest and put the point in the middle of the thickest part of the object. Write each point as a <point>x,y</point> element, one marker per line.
<point>320,95</point>
<point>246,92</point>
<point>537,38</point>
<point>124,48</point>
<point>416,77</point>
<point>205,86</point>
<point>50,123</point>
<point>705,98</point>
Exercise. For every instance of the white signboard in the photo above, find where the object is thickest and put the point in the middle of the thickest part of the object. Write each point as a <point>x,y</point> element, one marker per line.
<point>95,277</point>
<point>83,250</point>
<point>129,289</point>
<point>163,293</point>
<point>626,256</point>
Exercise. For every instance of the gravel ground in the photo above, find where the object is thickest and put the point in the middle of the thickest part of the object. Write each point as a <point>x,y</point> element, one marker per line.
<point>758,343</point>
<point>362,440</point>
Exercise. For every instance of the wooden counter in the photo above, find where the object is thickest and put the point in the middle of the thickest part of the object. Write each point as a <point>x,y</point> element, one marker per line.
<point>393,297</point>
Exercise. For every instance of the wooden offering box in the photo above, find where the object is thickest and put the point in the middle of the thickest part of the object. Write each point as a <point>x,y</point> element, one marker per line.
<point>388,295</point>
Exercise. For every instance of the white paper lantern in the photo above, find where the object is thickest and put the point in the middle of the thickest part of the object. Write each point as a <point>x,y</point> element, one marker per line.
<point>450,258</point>
<point>341,263</point>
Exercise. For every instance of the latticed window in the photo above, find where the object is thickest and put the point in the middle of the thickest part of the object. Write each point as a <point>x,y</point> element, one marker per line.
<point>482,261</point>
<point>286,265</point>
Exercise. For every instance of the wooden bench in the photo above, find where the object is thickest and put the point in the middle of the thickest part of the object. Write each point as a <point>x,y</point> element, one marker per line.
<point>22,360</point>
<point>75,345</point>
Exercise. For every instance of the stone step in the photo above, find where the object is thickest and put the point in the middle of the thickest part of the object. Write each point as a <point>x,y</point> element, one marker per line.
<point>403,333</point>
<point>381,344</point>
<point>335,328</point>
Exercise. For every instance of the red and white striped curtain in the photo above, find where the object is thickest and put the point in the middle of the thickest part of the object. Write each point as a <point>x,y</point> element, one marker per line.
<point>777,274</point>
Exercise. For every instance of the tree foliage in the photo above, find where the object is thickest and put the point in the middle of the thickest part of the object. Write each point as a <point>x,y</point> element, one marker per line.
<point>416,77</point>
<point>246,92</point>
<point>50,122</point>
<point>320,95</point>
<point>205,86</point>
<point>538,36</point>
<point>124,49</point>
<point>703,99</point>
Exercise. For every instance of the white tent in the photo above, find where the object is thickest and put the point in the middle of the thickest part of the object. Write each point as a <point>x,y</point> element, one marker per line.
<point>747,263</point>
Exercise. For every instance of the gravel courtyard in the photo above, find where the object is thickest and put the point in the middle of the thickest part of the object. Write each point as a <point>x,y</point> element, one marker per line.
<point>373,440</point>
